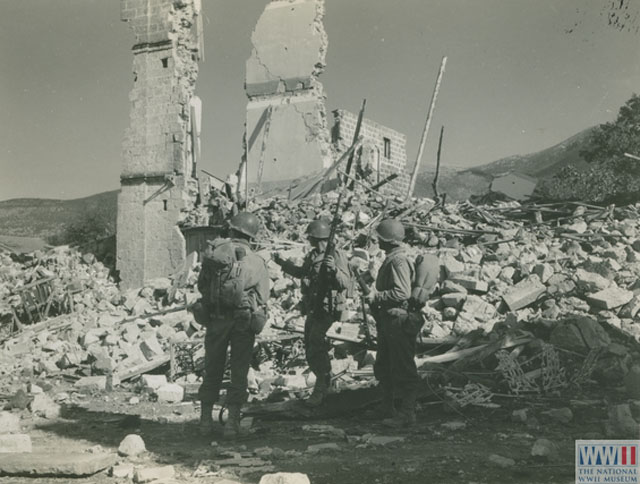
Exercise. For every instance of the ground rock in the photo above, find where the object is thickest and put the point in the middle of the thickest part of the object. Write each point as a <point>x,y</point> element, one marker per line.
<point>44,406</point>
<point>91,383</point>
<point>315,448</point>
<point>63,464</point>
<point>153,382</point>
<point>544,450</point>
<point>170,393</point>
<point>590,281</point>
<point>9,423</point>
<point>610,298</point>
<point>14,443</point>
<point>131,446</point>
<point>621,423</point>
<point>149,474</point>
<point>632,382</point>
<point>285,478</point>
<point>561,415</point>
<point>524,293</point>
<point>500,461</point>
<point>122,471</point>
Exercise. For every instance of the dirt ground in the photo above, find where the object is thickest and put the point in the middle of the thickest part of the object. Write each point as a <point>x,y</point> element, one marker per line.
<point>434,451</point>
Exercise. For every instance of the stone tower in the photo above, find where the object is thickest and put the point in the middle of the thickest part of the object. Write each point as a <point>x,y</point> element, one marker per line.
<point>158,173</point>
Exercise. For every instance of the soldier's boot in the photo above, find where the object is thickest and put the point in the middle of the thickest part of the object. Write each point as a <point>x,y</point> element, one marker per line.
<point>232,426</point>
<point>206,420</point>
<point>320,390</point>
<point>406,415</point>
<point>388,406</point>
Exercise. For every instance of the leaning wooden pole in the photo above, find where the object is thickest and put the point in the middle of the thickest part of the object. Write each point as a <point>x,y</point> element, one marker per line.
<point>435,178</point>
<point>423,141</point>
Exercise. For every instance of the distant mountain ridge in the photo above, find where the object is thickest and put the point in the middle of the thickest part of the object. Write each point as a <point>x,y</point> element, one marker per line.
<point>544,163</point>
<point>460,185</point>
<point>37,217</point>
<point>42,217</point>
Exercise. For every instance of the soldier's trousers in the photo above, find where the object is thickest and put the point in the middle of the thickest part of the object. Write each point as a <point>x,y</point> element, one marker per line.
<point>316,345</point>
<point>235,331</point>
<point>395,366</point>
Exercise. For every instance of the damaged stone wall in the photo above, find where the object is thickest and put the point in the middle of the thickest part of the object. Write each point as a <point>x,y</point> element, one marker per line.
<point>157,179</point>
<point>384,150</point>
<point>286,123</point>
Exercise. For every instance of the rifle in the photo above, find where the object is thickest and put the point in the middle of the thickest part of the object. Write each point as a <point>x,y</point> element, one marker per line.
<point>322,286</point>
<point>364,287</point>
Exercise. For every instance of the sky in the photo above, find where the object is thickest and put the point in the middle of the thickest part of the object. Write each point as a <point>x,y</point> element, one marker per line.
<point>521,76</point>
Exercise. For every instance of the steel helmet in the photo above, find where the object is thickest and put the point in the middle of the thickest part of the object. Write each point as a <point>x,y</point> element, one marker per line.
<point>390,230</point>
<point>319,229</point>
<point>245,223</point>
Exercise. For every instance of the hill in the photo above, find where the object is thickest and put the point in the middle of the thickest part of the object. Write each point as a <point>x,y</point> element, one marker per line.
<point>545,163</point>
<point>34,217</point>
<point>41,217</point>
<point>460,185</point>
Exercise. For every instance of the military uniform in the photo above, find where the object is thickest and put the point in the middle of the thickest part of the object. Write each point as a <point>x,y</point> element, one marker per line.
<point>233,305</point>
<point>320,314</point>
<point>395,366</point>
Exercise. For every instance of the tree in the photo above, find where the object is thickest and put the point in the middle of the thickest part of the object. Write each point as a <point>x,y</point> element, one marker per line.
<point>612,176</point>
<point>92,226</point>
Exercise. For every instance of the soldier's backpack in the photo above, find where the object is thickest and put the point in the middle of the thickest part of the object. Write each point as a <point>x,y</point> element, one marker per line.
<point>227,288</point>
<point>426,274</point>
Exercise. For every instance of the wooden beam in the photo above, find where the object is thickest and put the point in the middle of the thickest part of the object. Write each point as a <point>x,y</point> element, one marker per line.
<point>425,132</point>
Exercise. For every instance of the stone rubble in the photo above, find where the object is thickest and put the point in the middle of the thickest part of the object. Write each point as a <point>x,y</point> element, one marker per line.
<point>500,276</point>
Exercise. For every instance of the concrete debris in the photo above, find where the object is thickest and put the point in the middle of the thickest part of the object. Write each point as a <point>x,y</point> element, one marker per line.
<point>123,471</point>
<point>131,446</point>
<point>560,415</point>
<point>170,393</point>
<point>381,440</point>
<point>63,464</point>
<point>14,443</point>
<point>610,298</point>
<point>149,474</point>
<point>524,293</point>
<point>534,283</point>
<point>621,423</point>
<point>500,461</point>
<point>315,448</point>
<point>544,450</point>
<point>285,478</point>
<point>455,425</point>
<point>44,406</point>
<point>324,430</point>
<point>9,423</point>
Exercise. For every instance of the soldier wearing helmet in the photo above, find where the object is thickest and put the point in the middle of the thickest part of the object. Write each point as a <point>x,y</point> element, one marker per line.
<point>395,367</point>
<point>319,314</point>
<point>234,283</point>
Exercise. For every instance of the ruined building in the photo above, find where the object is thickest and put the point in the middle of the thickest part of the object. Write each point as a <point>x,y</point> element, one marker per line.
<point>383,153</point>
<point>158,174</point>
<point>286,126</point>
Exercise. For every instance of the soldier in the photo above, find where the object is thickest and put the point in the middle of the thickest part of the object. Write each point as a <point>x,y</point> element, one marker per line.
<point>320,313</point>
<point>395,367</point>
<point>234,283</point>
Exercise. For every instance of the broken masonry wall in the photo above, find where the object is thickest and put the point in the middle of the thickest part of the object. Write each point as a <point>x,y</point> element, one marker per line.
<point>157,183</point>
<point>384,150</point>
<point>286,124</point>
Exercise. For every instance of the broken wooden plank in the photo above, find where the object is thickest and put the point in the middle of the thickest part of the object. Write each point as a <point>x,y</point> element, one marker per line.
<point>54,324</point>
<point>142,368</point>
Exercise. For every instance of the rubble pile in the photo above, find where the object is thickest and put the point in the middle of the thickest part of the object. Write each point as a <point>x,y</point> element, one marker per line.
<point>107,333</point>
<point>74,281</point>
<point>494,263</point>
<point>520,277</point>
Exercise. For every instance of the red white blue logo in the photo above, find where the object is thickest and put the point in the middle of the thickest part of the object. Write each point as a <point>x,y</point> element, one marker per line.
<point>607,461</point>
